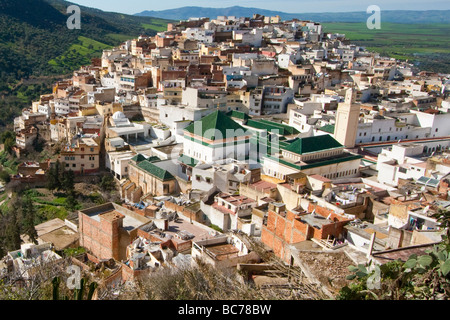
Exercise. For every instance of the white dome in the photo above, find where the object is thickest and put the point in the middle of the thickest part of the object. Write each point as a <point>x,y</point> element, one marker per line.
<point>119,115</point>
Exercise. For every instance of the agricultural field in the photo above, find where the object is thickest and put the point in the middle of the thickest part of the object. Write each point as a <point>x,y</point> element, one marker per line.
<point>426,45</point>
<point>79,53</point>
<point>156,25</point>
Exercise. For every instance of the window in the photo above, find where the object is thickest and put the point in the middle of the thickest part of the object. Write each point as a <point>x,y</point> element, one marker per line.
<point>74,165</point>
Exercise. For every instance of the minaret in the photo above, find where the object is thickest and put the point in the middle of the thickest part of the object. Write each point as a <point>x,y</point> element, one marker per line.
<point>347,117</point>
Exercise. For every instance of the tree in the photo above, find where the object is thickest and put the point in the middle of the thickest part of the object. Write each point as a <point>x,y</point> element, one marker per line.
<point>71,202</point>
<point>8,138</point>
<point>4,176</point>
<point>53,182</point>
<point>12,231</point>
<point>107,183</point>
<point>28,217</point>
<point>67,181</point>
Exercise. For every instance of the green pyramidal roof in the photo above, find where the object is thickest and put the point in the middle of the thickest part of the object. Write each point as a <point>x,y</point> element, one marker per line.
<point>138,158</point>
<point>238,115</point>
<point>313,144</point>
<point>155,171</point>
<point>214,123</point>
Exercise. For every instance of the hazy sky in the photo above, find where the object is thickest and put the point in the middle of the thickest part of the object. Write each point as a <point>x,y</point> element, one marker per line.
<point>293,6</point>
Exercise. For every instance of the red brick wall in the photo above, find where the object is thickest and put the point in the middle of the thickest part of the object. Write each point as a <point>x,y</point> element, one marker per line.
<point>100,238</point>
<point>172,75</point>
<point>115,278</point>
<point>183,210</point>
<point>129,274</point>
<point>281,231</point>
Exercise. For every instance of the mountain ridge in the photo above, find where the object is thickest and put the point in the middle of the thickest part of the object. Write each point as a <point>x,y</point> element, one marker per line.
<point>398,16</point>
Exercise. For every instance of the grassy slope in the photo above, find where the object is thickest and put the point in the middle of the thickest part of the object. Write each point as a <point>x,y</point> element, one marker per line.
<point>426,44</point>
<point>78,53</point>
<point>37,48</point>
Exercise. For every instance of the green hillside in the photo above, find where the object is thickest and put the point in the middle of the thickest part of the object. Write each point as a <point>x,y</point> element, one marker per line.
<point>36,47</point>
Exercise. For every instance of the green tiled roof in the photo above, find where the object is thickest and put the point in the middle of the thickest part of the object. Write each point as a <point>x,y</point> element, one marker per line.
<point>216,121</point>
<point>155,171</point>
<point>271,126</point>
<point>290,130</point>
<point>328,128</point>
<point>188,160</point>
<point>313,144</point>
<point>138,158</point>
<point>153,159</point>
<point>238,115</point>
<point>260,142</point>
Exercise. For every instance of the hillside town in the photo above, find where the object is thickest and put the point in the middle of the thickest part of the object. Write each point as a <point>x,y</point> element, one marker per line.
<point>237,137</point>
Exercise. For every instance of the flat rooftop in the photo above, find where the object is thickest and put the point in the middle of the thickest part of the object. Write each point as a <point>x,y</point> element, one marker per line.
<point>89,142</point>
<point>112,211</point>
<point>132,129</point>
<point>170,149</point>
<point>315,220</point>
<point>61,238</point>
<point>182,225</point>
<point>222,251</point>
<point>235,199</point>
<point>262,185</point>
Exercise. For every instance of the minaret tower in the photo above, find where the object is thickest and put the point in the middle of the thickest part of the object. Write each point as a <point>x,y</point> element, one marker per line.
<point>347,117</point>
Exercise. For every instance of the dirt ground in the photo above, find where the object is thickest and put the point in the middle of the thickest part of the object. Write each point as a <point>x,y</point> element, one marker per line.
<point>330,268</point>
<point>86,188</point>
